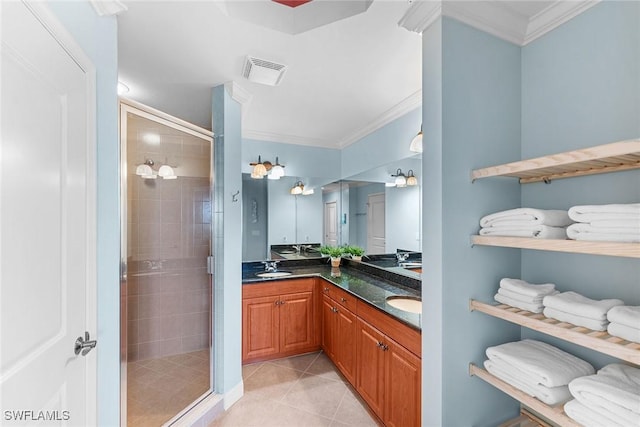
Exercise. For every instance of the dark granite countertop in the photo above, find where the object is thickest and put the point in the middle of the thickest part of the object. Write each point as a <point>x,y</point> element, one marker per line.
<point>373,289</point>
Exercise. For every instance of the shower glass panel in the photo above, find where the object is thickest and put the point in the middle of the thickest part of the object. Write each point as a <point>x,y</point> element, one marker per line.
<point>168,291</point>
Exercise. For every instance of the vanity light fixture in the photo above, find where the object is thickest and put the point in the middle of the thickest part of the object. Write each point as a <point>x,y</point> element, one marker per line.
<point>262,169</point>
<point>146,171</point>
<point>411,178</point>
<point>298,188</point>
<point>307,191</point>
<point>401,179</point>
<point>416,142</point>
<point>277,171</point>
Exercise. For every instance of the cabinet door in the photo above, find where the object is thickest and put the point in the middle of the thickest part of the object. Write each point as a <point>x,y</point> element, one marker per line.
<point>296,321</point>
<point>260,327</point>
<point>402,387</point>
<point>370,368</point>
<point>345,337</point>
<point>328,327</point>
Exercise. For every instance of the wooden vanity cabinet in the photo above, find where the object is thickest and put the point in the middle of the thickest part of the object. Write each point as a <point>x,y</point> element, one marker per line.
<point>279,319</point>
<point>338,335</point>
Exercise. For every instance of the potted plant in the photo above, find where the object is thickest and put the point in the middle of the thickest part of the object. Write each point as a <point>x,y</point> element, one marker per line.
<point>355,252</point>
<point>334,252</point>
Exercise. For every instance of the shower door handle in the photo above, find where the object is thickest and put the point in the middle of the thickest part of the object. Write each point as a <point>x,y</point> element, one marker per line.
<point>84,345</point>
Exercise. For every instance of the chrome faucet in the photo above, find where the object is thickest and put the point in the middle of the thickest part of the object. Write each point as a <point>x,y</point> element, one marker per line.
<point>401,257</point>
<point>297,248</point>
<point>270,266</point>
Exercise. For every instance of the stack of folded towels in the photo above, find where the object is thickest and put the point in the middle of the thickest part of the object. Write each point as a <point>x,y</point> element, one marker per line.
<point>577,309</point>
<point>625,322</point>
<point>538,369</point>
<point>524,295</point>
<point>609,399</point>
<point>526,222</point>
<point>612,223</point>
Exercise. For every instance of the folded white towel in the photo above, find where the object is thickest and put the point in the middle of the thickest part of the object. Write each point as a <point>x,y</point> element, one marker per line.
<point>588,417</point>
<point>510,375</point>
<point>574,303</point>
<point>633,224</point>
<point>623,331</point>
<point>588,213</point>
<point>587,322</point>
<point>526,216</point>
<point>540,363</point>
<point>526,288</point>
<point>587,232</point>
<point>614,392</point>
<point>627,315</point>
<point>529,306</point>
<point>538,231</point>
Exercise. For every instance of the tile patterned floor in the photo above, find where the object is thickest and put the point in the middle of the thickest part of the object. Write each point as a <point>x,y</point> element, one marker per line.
<point>157,389</point>
<point>297,391</point>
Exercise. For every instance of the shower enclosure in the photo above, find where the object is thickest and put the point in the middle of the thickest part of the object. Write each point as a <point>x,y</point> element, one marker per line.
<point>166,289</point>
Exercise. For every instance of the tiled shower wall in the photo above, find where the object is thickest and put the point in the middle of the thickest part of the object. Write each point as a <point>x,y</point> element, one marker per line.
<point>168,238</point>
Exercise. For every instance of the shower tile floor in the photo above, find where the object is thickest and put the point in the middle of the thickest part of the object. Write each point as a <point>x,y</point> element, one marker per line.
<point>297,391</point>
<point>158,389</point>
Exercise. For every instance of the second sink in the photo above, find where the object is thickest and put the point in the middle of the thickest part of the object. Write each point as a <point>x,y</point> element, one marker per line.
<point>406,303</point>
<point>271,274</point>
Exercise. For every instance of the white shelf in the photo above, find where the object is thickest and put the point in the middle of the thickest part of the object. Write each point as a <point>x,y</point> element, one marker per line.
<point>619,249</point>
<point>596,340</point>
<point>554,414</point>
<point>614,157</point>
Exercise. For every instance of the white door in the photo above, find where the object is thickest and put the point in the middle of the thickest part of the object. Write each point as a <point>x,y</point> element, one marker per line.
<point>47,243</point>
<point>331,224</point>
<point>375,224</point>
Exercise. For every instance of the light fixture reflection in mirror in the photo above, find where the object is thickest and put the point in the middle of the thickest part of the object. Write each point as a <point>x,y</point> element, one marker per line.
<point>401,179</point>
<point>298,188</point>
<point>411,178</point>
<point>416,143</point>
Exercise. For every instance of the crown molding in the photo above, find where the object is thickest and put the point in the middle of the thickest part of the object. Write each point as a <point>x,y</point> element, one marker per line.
<point>288,139</point>
<point>240,95</point>
<point>494,18</point>
<point>408,104</point>
<point>108,7</point>
<point>553,16</point>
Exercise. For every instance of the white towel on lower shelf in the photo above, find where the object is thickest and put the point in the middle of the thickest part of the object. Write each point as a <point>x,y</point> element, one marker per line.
<point>588,213</point>
<point>623,331</point>
<point>529,306</point>
<point>526,216</point>
<point>588,417</point>
<point>526,288</point>
<point>586,232</point>
<point>587,322</point>
<point>540,363</point>
<point>627,315</point>
<point>575,303</point>
<point>633,224</point>
<point>549,395</point>
<point>536,231</point>
<point>614,392</point>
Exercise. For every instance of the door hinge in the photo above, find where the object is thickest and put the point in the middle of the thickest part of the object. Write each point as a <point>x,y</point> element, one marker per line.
<point>210,265</point>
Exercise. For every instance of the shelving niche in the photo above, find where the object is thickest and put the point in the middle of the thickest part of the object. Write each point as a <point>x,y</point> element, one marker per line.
<point>614,157</point>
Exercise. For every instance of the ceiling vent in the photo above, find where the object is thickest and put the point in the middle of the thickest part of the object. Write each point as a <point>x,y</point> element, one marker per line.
<point>262,71</point>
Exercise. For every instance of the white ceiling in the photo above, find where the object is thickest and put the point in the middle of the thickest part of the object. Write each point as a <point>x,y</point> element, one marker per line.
<point>344,79</point>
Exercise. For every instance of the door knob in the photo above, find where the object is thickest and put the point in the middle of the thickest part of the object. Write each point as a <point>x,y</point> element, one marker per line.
<point>84,345</point>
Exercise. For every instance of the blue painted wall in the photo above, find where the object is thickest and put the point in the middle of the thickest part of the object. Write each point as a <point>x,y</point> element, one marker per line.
<point>471,112</point>
<point>581,87</point>
<point>99,39</point>
<point>402,219</point>
<point>227,335</point>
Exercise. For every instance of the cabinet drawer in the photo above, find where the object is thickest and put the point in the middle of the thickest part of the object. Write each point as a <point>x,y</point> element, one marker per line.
<point>278,287</point>
<point>398,331</point>
<point>340,296</point>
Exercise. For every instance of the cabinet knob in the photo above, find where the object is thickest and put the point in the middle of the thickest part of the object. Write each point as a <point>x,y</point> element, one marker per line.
<point>325,290</point>
<point>335,310</point>
<point>385,347</point>
<point>380,344</point>
<point>343,299</point>
<point>277,302</point>
<point>282,302</point>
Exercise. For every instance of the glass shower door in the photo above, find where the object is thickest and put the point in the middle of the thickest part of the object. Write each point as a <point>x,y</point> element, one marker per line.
<point>166,243</point>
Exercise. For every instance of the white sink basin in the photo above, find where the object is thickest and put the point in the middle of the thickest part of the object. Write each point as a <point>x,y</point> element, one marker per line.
<point>272,274</point>
<point>406,303</point>
<point>410,264</point>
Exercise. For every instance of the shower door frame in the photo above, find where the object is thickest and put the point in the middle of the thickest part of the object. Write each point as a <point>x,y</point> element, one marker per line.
<point>127,106</point>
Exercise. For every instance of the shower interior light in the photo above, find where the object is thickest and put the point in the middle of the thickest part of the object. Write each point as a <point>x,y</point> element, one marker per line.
<point>167,172</point>
<point>146,171</point>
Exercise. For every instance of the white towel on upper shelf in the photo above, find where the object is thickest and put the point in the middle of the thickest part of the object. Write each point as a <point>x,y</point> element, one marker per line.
<point>588,417</point>
<point>526,288</point>
<point>574,319</point>
<point>524,298</point>
<point>538,231</point>
<point>614,391</point>
<point>633,224</point>
<point>540,363</point>
<point>526,216</point>
<point>627,315</point>
<point>623,331</point>
<point>588,213</point>
<point>587,232</point>
<point>529,306</point>
<point>510,375</point>
<point>575,303</point>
